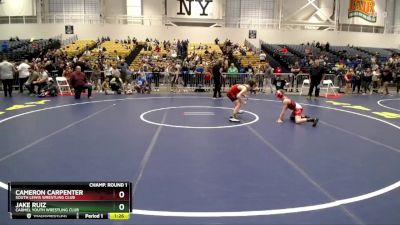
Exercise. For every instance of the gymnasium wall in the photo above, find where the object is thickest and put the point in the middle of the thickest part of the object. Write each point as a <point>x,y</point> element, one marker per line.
<point>197,34</point>
<point>153,7</point>
<point>113,7</point>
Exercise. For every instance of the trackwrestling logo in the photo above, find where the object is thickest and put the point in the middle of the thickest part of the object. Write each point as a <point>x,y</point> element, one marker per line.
<point>364,9</point>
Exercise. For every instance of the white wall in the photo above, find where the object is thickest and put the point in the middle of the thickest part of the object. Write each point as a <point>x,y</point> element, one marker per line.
<point>397,13</point>
<point>113,7</point>
<point>196,34</point>
<point>153,8</point>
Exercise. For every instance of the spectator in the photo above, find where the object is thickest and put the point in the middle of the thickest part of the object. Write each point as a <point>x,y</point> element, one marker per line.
<point>116,84</point>
<point>79,83</point>
<point>95,78</point>
<point>397,78</point>
<point>140,85</point>
<point>387,77</point>
<point>249,70</point>
<point>356,81</point>
<point>327,46</point>
<point>295,71</point>
<point>105,86</point>
<point>259,77</point>
<point>278,70</point>
<point>108,71</point>
<point>123,68</point>
<point>50,90</point>
<point>156,77</point>
<point>23,74</point>
<point>279,83</point>
<point>269,76</point>
<point>348,77</point>
<point>34,75</point>
<point>128,89</point>
<point>263,56</point>
<point>232,74</point>
<point>376,78</point>
<point>216,41</point>
<point>42,79</point>
<point>284,50</point>
<point>67,74</point>
<point>174,71</point>
<point>199,75</point>
<point>7,71</point>
<point>366,81</point>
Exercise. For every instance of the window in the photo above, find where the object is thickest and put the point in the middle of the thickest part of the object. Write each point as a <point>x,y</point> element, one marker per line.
<point>134,7</point>
<point>248,12</point>
<point>74,7</point>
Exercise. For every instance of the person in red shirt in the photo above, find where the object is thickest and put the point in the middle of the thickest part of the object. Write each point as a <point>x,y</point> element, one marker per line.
<point>278,70</point>
<point>297,114</point>
<point>348,77</point>
<point>236,94</point>
<point>79,83</point>
<point>284,50</point>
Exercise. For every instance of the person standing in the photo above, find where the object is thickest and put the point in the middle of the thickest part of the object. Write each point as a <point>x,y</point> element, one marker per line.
<point>216,73</point>
<point>293,77</point>
<point>397,77</point>
<point>269,77</point>
<point>348,77</point>
<point>23,74</point>
<point>357,79</point>
<point>123,68</point>
<point>79,83</point>
<point>316,76</point>
<point>7,71</point>
<point>366,80</point>
<point>387,77</point>
<point>233,74</point>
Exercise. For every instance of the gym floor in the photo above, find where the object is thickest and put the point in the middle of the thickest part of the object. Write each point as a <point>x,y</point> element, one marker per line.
<point>190,165</point>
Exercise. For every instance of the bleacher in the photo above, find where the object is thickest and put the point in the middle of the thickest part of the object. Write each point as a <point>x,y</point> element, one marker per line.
<point>78,47</point>
<point>26,49</point>
<point>200,49</point>
<point>250,58</point>
<point>381,52</point>
<point>394,50</point>
<point>348,52</point>
<point>287,59</point>
<point>137,62</point>
<point>300,50</point>
<point>114,49</point>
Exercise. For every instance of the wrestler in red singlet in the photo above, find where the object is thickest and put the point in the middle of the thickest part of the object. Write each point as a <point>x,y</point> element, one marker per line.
<point>297,114</point>
<point>235,94</point>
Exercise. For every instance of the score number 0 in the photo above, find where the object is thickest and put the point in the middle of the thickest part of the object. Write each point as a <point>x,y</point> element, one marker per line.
<point>121,194</point>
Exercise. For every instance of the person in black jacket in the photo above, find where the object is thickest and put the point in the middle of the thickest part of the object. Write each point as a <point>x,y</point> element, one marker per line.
<point>387,77</point>
<point>216,73</point>
<point>316,76</point>
<point>397,77</point>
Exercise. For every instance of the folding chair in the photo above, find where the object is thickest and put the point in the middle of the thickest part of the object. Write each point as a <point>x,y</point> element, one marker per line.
<point>306,84</point>
<point>328,86</point>
<point>63,86</point>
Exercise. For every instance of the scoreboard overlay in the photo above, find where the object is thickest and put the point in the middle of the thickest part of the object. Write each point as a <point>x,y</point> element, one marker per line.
<point>69,200</point>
